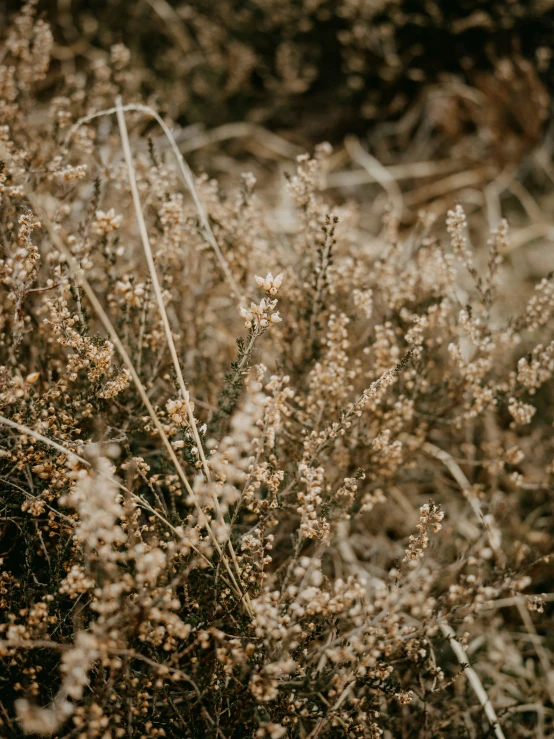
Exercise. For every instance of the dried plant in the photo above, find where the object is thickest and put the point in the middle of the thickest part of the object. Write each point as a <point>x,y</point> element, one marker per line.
<point>263,474</point>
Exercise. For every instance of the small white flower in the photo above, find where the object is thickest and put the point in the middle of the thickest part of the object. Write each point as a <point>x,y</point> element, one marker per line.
<point>269,283</point>
<point>265,282</point>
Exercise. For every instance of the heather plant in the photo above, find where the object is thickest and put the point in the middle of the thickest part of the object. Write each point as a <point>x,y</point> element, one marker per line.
<point>472,75</point>
<point>264,473</point>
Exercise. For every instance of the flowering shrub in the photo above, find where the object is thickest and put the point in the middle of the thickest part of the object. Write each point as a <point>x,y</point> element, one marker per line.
<point>220,519</point>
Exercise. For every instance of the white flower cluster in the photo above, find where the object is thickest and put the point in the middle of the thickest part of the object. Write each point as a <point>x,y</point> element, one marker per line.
<point>258,317</point>
<point>522,413</point>
<point>178,411</point>
<point>105,224</point>
<point>269,283</point>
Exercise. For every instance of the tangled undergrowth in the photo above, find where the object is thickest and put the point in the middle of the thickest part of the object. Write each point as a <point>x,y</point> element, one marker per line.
<point>263,473</point>
<point>322,67</point>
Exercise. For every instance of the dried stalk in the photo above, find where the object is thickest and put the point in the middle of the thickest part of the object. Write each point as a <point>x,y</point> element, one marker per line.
<point>473,679</point>
<point>167,328</point>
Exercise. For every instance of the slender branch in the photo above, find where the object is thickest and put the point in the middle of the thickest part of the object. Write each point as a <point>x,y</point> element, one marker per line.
<point>169,335</point>
<point>458,474</point>
<point>473,679</point>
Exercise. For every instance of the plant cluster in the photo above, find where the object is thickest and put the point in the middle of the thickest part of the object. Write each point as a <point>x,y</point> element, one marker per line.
<point>474,73</point>
<point>259,478</point>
